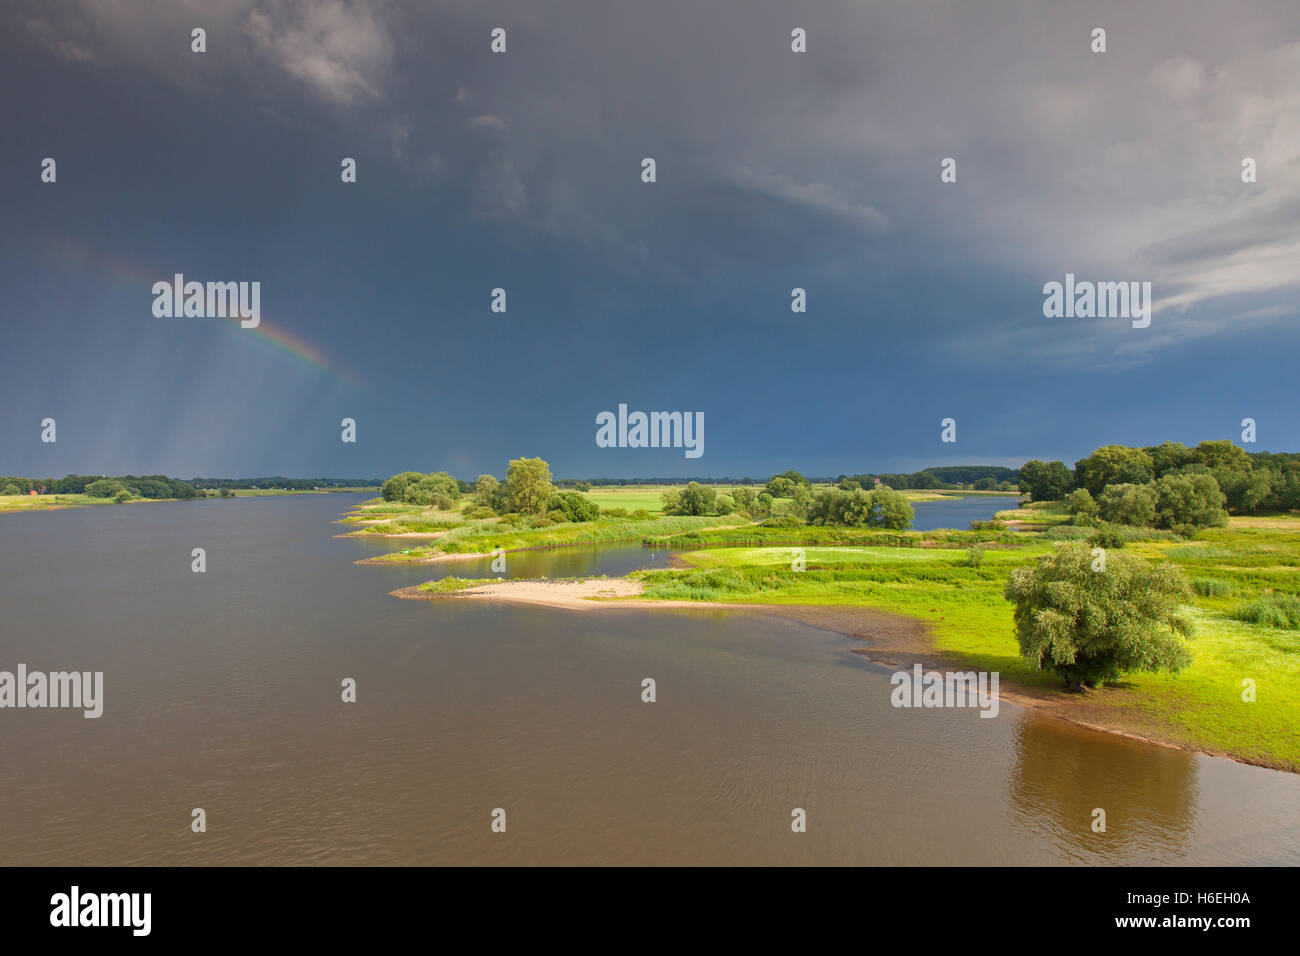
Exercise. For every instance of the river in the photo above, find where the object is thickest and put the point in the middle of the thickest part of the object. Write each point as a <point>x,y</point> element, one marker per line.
<point>222,692</point>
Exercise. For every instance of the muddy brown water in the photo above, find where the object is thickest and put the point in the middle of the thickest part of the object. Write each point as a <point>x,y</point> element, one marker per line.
<point>222,691</point>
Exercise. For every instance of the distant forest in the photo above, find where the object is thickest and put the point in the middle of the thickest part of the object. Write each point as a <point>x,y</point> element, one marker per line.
<point>954,476</point>
<point>160,486</point>
<point>291,484</point>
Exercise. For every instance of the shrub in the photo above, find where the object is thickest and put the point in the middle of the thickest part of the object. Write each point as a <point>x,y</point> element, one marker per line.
<point>783,521</point>
<point>415,488</point>
<point>1272,610</point>
<point>1080,503</point>
<point>10,489</point>
<point>1108,538</point>
<point>573,506</point>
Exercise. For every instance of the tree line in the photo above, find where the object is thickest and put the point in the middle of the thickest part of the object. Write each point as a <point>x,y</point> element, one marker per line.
<point>288,484</point>
<point>122,487</point>
<point>1169,485</point>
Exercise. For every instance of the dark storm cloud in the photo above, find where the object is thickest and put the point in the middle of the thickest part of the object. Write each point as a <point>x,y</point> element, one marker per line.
<point>775,170</point>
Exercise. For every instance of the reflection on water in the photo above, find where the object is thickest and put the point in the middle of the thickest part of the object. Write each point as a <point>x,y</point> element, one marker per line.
<point>222,691</point>
<point>1062,773</point>
<point>614,560</point>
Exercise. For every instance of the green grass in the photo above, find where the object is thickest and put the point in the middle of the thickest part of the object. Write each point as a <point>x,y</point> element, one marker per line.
<point>483,537</point>
<point>1212,587</point>
<point>415,525</point>
<point>449,585</point>
<point>751,535</point>
<point>12,503</point>
<point>1041,513</point>
<point>631,498</point>
<point>1247,570</point>
<point>1281,611</point>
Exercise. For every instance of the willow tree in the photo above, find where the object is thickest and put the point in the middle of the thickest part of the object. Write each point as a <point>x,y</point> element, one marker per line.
<point>1090,616</point>
<point>528,485</point>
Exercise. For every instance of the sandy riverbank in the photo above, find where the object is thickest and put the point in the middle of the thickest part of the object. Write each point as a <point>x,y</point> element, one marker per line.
<point>892,641</point>
<point>586,595</point>
<point>427,535</point>
<point>434,559</point>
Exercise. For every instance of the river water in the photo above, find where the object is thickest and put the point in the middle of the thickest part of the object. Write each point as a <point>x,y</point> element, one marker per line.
<point>222,691</point>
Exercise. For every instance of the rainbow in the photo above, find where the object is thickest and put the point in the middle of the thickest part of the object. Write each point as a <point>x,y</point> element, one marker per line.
<point>133,274</point>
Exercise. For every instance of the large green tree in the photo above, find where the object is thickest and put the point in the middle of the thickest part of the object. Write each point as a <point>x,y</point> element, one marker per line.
<point>1090,626</point>
<point>697,499</point>
<point>528,485</point>
<point>880,508</point>
<point>1113,465</point>
<point>488,493</point>
<point>1169,456</point>
<point>1128,504</point>
<point>1189,499</point>
<point>1045,481</point>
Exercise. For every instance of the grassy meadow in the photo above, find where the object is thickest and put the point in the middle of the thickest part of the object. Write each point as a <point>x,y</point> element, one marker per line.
<point>48,502</point>
<point>961,599</point>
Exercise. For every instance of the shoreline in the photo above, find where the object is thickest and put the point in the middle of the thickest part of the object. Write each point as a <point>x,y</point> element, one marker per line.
<point>430,535</point>
<point>894,641</point>
<point>435,559</point>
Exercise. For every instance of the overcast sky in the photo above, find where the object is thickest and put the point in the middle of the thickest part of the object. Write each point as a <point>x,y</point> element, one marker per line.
<point>522,170</point>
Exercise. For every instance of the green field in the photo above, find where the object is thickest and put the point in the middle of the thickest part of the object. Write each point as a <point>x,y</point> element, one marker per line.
<point>12,503</point>
<point>43,502</point>
<point>972,625</point>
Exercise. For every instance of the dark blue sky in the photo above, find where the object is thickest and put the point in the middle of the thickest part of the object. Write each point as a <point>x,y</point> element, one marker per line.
<point>522,170</point>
